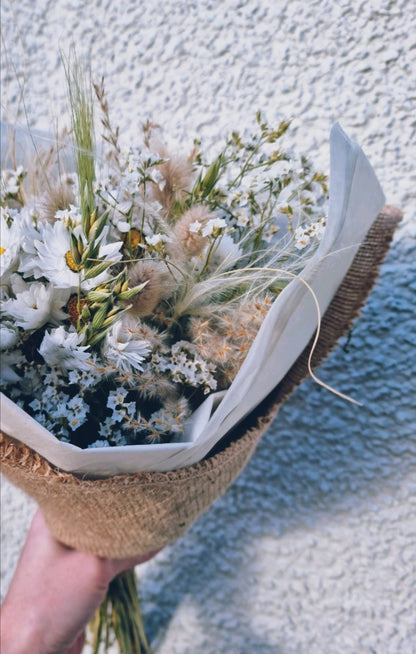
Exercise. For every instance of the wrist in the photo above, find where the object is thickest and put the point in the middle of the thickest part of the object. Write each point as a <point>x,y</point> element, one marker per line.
<point>19,634</point>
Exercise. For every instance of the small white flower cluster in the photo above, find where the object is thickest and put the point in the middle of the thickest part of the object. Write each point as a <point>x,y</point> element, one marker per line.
<point>141,160</point>
<point>126,422</point>
<point>11,181</point>
<point>59,412</point>
<point>70,217</point>
<point>138,167</point>
<point>116,403</point>
<point>303,235</point>
<point>85,378</point>
<point>185,366</point>
<point>121,412</point>
<point>165,420</point>
<point>156,241</point>
<point>214,228</point>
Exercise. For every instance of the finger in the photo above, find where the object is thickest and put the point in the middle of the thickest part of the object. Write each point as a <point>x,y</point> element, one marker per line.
<point>120,565</point>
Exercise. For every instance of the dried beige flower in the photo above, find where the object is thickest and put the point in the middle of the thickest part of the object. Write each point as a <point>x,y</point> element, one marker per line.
<point>158,285</point>
<point>153,386</point>
<point>177,172</point>
<point>154,336</point>
<point>56,198</point>
<point>190,241</point>
<point>225,338</point>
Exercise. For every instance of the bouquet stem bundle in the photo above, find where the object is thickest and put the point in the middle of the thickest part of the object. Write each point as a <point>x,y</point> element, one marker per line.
<point>120,617</point>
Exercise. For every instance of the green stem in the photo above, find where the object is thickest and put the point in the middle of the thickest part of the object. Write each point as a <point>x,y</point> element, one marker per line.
<point>210,250</point>
<point>246,165</point>
<point>144,204</point>
<point>123,619</point>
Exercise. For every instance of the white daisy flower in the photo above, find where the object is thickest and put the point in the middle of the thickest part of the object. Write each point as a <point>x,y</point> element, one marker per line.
<point>28,229</point>
<point>123,350</point>
<point>108,251</point>
<point>124,207</point>
<point>51,257</point>
<point>61,348</point>
<point>36,306</point>
<point>10,240</point>
<point>16,285</point>
<point>123,226</point>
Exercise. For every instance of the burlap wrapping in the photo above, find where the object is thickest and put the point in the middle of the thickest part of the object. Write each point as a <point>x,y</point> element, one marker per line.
<point>132,514</point>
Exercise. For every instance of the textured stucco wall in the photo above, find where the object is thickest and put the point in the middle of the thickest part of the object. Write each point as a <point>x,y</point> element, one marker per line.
<point>313,549</point>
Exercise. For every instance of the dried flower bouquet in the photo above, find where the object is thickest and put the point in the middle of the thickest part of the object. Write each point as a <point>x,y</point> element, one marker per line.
<point>134,285</point>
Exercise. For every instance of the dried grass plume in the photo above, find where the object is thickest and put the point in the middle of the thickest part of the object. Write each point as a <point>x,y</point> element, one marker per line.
<point>192,243</point>
<point>177,172</point>
<point>158,285</point>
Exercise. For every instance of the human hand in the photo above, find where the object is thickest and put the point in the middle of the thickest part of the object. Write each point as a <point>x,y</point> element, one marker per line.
<point>54,593</point>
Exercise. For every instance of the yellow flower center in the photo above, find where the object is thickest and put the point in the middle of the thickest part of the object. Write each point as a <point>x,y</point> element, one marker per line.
<point>132,239</point>
<point>2,250</point>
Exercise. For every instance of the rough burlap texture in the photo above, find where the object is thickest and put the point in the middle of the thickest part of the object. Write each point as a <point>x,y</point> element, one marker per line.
<point>131,514</point>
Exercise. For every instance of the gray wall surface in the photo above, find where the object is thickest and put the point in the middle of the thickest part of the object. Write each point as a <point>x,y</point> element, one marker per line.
<point>312,550</point>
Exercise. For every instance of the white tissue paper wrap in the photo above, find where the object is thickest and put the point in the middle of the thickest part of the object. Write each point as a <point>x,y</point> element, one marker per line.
<point>355,201</point>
